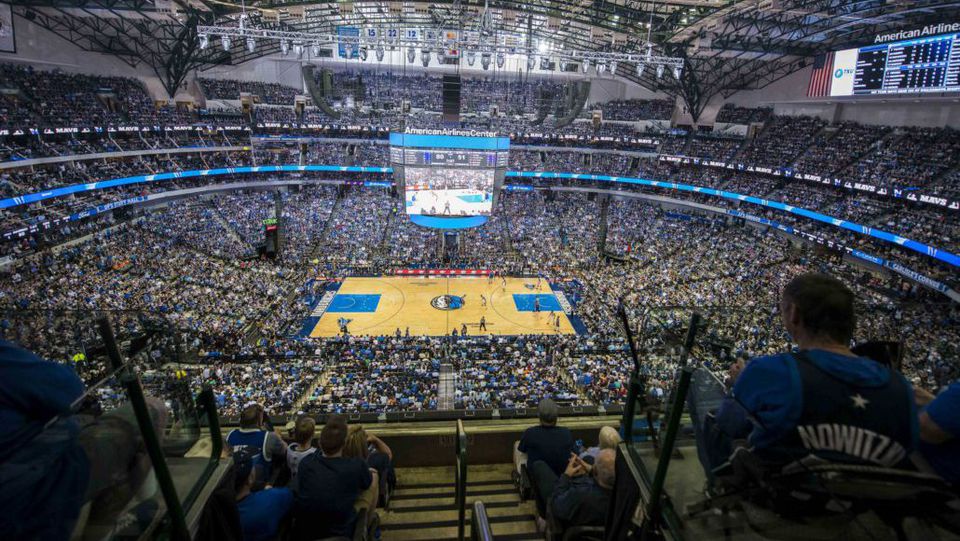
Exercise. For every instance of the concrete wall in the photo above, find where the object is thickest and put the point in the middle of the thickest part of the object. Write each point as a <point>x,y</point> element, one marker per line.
<point>45,50</point>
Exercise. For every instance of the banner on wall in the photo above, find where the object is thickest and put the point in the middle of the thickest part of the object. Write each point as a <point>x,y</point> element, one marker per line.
<point>7,42</point>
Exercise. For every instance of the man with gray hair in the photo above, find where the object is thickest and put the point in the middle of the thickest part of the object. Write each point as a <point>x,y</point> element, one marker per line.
<point>582,494</point>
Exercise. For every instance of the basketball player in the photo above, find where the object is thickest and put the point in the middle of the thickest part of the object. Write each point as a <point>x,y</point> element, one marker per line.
<point>536,304</point>
<point>556,325</point>
<point>483,323</point>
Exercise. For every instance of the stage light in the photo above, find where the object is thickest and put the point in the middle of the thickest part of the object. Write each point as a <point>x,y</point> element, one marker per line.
<point>425,57</point>
<point>501,60</point>
<point>640,67</point>
<point>601,67</point>
<point>363,54</point>
<point>411,55</point>
<point>677,71</point>
<point>584,65</point>
<point>298,48</point>
<point>471,57</point>
<point>531,62</point>
<point>380,52</point>
<point>251,45</point>
<point>284,47</point>
<point>613,69</point>
<point>659,71</point>
<point>315,49</point>
<point>204,41</point>
<point>348,50</point>
<point>225,41</point>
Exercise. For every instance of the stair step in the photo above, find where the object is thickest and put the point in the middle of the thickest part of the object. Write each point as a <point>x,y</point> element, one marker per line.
<point>401,495</point>
<point>451,485</point>
<point>514,530</point>
<point>496,519</point>
<point>449,489</point>
<point>449,512</point>
<point>451,507</point>
<point>512,497</point>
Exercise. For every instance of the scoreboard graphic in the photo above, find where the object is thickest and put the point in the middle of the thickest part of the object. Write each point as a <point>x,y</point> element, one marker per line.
<point>928,64</point>
<point>448,175</point>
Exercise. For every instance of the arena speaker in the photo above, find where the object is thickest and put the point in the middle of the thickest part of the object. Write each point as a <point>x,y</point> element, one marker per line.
<point>451,98</point>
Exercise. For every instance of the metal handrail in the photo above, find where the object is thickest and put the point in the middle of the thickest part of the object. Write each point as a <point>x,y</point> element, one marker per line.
<point>480,529</point>
<point>130,381</point>
<point>461,479</point>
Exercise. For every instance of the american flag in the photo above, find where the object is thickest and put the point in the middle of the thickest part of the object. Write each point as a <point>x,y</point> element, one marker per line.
<point>821,77</point>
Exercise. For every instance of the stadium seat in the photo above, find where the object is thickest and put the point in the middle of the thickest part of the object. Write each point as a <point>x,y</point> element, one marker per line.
<point>814,499</point>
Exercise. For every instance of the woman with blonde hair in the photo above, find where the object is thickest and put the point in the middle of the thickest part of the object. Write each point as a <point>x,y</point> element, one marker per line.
<point>378,456</point>
<point>609,439</point>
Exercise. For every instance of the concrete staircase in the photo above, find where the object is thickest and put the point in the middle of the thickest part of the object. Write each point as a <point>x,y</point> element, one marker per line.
<point>422,506</point>
<point>447,387</point>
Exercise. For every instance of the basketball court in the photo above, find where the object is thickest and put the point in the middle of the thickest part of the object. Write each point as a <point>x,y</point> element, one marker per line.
<point>435,306</point>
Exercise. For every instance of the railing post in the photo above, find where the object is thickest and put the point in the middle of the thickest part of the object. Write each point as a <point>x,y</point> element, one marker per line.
<point>673,425</point>
<point>461,474</point>
<point>178,523</point>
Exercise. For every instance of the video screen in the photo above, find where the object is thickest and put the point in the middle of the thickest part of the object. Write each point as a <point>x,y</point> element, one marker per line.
<point>445,191</point>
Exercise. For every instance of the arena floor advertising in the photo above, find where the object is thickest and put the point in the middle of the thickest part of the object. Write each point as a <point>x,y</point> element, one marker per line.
<point>435,306</point>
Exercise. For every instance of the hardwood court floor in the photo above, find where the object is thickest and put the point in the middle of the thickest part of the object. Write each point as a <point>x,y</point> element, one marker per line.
<point>410,302</point>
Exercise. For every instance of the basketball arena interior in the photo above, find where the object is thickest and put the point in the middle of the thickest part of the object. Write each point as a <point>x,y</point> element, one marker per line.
<point>559,270</point>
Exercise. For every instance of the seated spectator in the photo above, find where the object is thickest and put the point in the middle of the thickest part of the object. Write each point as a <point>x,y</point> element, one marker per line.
<point>582,494</point>
<point>267,445</point>
<point>373,451</point>
<point>330,488</point>
<point>50,470</point>
<point>793,405</point>
<point>261,512</point>
<point>939,427</point>
<point>547,443</point>
<point>609,439</point>
<point>303,446</point>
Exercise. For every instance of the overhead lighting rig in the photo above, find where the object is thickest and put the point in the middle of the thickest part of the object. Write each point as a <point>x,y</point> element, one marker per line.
<point>490,49</point>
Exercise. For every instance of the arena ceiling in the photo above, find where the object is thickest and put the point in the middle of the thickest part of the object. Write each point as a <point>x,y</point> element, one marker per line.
<point>727,45</point>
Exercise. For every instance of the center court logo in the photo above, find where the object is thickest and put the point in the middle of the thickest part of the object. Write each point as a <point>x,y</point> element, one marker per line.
<point>447,302</point>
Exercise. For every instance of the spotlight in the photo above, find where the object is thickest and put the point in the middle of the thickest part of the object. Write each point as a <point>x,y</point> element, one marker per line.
<point>363,54</point>
<point>584,65</point>
<point>425,57</point>
<point>348,50</point>
<point>677,71</point>
<point>613,69</point>
<point>315,50</point>
<point>379,51</point>
<point>204,41</point>
<point>225,41</point>
<point>251,45</point>
<point>531,62</point>
<point>284,47</point>
<point>471,57</point>
<point>659,71</point>
<point>601,67</point>
<point>298,48</point>
<point>640,67</point>
<point>485,61</point>
<point>411,55</point>
<point>501,60</point>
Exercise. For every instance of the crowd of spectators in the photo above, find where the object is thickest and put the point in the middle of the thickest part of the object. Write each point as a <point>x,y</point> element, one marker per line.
<point>229,89</point>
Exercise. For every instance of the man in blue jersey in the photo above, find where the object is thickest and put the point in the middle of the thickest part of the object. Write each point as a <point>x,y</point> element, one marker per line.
<point>940,431</point>
<point>265,445</point>
<point>261,512</point>
<point>821,400</point>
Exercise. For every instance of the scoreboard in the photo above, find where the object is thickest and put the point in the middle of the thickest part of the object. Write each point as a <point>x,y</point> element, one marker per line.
<point>448,175</point>
<point>452,158</point>
<point>929,64</point>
